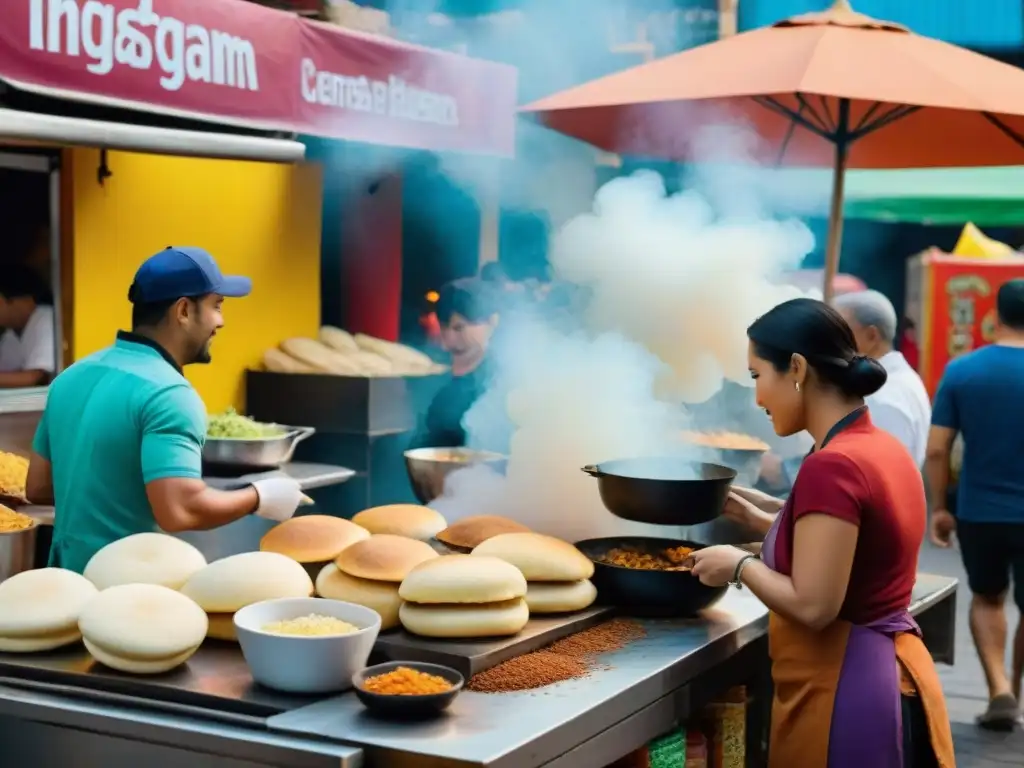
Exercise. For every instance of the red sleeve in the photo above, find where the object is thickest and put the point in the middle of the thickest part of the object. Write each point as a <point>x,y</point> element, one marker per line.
<point>830,483</point>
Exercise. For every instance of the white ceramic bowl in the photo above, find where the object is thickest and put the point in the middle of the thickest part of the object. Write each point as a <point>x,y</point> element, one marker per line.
<point>297,664</point>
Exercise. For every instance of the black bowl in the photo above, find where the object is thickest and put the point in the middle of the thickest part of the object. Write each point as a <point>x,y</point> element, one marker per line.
<point>409,707</point>
<point>663,490</point>
<point>673,593</point>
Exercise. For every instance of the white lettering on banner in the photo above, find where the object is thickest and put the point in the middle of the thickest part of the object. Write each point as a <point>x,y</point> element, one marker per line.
<point>108,37</point>
<point>394,98</point>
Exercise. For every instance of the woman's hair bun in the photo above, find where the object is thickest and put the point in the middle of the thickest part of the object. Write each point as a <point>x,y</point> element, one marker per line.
<point>863,376</point>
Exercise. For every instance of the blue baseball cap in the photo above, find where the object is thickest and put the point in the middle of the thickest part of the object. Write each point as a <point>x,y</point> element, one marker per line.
<point>183,272</point>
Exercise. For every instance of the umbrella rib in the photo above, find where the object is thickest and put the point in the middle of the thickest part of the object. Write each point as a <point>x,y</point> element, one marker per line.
<point>775,106</point>
<point>805,104</point>
<point>1004,128</point>
<point>866,117</point>
<point>890,117</point>
<point>830,123</point>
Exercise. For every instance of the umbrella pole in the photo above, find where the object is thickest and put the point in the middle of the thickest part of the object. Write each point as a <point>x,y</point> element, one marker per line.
<point>835,213</point>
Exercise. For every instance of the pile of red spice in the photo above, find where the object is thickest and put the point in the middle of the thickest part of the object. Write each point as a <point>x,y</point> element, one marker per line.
<point>570,658</point>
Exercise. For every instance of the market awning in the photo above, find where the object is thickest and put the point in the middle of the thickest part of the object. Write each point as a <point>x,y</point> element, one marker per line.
<point>987,196</point>
<point>242,64</point>
<point>31,126</point>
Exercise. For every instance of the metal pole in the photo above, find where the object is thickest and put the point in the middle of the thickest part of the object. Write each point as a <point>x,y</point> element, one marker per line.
<point>835,215</point>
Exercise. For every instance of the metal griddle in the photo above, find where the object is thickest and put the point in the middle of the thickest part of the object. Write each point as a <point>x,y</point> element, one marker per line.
<point>215,680</point>
<point>472,656</point>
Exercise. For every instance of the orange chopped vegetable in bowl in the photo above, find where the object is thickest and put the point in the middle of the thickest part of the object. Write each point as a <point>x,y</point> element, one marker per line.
<point>407,688</point>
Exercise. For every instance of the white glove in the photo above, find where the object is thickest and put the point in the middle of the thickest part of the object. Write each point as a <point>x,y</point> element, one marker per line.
<point>279,498</point>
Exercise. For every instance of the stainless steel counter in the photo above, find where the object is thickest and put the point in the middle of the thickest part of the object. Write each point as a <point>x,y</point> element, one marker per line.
<point>644,690</point>
<point>648,686</point>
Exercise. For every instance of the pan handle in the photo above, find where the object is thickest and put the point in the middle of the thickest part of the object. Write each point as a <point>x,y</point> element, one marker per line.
<point>592,470</point>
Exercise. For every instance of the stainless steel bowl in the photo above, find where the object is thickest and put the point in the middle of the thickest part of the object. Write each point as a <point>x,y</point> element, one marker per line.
<point>18,551</point>
<point>428,467</point>
<point>270,452</point>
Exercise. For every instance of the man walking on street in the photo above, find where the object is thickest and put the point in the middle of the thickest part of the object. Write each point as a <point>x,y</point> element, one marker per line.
<point>981,397</point>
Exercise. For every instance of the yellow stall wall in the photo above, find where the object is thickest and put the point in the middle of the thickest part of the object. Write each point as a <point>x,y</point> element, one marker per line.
<point>257,219</point>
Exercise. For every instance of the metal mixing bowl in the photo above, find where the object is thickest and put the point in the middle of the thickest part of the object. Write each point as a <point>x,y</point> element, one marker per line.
<point>428,467</point>
<point>18,551</point>
<point>269,452</point>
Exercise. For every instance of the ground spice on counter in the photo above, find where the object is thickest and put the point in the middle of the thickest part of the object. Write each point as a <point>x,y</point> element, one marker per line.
<point>570,658</point>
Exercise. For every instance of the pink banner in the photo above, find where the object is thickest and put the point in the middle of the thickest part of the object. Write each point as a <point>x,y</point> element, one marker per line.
<point>237,62</point>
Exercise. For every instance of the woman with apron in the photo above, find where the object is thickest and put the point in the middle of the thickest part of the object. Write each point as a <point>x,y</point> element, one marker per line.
<point>854,684</point>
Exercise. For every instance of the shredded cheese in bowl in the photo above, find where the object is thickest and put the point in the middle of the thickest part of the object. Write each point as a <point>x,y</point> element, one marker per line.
<point>313,625</point>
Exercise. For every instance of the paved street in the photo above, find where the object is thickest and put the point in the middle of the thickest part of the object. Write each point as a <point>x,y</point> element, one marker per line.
<point>965,685</point>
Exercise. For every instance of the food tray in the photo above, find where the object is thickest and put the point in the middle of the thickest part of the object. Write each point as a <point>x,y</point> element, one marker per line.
<point>472,656</point>
<point>215,679</point>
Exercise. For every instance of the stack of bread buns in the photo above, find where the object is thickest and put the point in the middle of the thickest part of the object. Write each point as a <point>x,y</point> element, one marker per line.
<point>312,540</point>
<point>39,610</point>
<point>469,532</point>
<point>410,520</point>
<point>228,585</point>
<point>144,629</point>
<point>145,558</point>
<point>461,596</point>
<point>368,573</point>
<point>557,574</point>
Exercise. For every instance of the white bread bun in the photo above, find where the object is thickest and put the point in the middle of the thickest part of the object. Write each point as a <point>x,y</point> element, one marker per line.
<point>142,628</point>
<point>560,596</point>
<point>492,620</point>
<point>276,361</point>
<point>470,532</point>
<point>312,538</point>
<point>539,557</point>
<point>321,357</point>
<point>145,558</point>
<point>410,520</point>
<point>137,666</point>
<point>224,586</point>
<point>222,627</point>
<point>463,579</point>
<point>384,557</point>
<point>39,609</point>
<point>337,339</point>
<point>379,596</point>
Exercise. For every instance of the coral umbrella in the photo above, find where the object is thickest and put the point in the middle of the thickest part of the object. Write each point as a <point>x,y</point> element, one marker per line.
<point>835,88</point>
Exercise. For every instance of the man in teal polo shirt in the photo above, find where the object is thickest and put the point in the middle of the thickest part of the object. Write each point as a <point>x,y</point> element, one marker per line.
<point>119,448</point>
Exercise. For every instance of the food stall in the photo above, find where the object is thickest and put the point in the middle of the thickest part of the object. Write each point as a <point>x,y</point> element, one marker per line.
<point>555,655</point>
<point>951,299</point>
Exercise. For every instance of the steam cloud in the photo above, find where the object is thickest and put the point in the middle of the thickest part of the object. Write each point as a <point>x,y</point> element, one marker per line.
<point>672,287</point>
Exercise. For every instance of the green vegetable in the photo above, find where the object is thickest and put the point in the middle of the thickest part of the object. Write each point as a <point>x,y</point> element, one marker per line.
<point>232,425</point>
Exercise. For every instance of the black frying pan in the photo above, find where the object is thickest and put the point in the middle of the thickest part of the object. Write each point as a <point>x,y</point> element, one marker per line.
<point>677,593</point>
<point>663,491</point>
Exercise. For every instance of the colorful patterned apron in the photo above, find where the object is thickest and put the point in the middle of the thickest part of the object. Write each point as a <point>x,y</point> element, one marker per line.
<point>838,691</point>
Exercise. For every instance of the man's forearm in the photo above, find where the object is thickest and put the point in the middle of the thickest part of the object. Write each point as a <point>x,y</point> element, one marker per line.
<point>936,472</point>
<point>18,379</point>
<point>211,508</point>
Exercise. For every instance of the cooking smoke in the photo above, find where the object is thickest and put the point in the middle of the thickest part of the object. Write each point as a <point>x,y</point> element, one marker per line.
<point>672,282</point>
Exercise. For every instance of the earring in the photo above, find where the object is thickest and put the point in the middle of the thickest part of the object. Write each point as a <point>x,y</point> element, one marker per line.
<point>798,386</point>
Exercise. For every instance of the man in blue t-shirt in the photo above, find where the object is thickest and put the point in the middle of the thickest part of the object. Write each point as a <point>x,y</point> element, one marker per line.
<point>981,397</point>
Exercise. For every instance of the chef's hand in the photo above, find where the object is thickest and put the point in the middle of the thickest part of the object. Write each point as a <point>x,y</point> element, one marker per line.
<point>760,499</point>
<point>279,498</point>
<point>942,526</point>
<point>740,509</point>
<point>715,566</point>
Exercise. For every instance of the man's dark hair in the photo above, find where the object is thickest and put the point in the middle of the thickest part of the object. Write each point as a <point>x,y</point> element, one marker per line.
<point>1010,304</point>
<point>18,281</point>
<point>468,297</point>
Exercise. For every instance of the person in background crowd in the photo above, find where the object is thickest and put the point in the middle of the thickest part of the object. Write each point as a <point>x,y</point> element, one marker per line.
<point>27,351</point>
<point>901,407</point>
<point>854,683</point>
<point>118,450</point>
<point>466,312</point>
<point>980,398</point>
